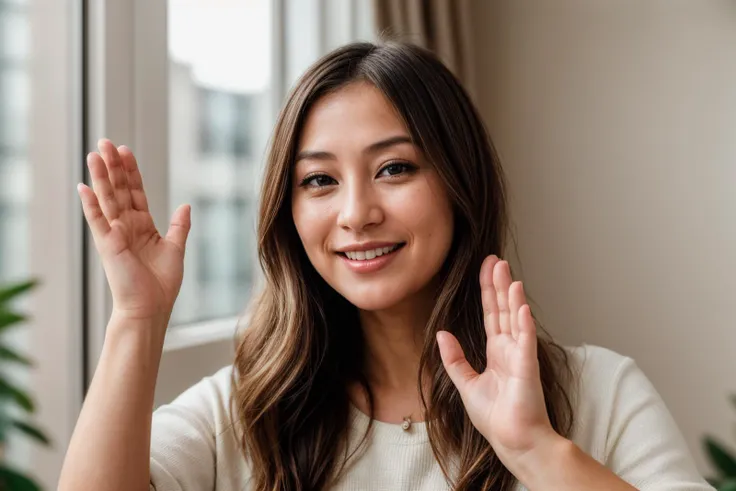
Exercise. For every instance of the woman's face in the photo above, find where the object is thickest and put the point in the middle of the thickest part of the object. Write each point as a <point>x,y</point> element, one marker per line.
<point>371,212</point>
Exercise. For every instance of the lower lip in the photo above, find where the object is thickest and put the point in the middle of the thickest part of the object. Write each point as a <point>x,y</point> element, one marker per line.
<point>369,265</point>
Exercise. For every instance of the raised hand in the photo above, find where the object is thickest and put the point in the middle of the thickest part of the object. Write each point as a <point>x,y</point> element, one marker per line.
<point>144,270</point>
<point>505,402</point>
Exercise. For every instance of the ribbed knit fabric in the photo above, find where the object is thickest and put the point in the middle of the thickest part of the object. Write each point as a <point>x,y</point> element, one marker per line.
<point>621,421</point>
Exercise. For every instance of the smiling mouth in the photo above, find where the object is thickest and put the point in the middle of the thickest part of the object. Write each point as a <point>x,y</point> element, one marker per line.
<point>372,253</point>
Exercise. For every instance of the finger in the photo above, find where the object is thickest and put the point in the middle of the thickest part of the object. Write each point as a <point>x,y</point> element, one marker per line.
<point>102,187</point>
<point>527,335</point>
<point>488,296</point>
<point>135,180</point>
<point>96,220</point>
<point>115,170</point>
<point>181,223</point>
<point>516,300</point>
<point>502,282</point>
<point>454,360</point>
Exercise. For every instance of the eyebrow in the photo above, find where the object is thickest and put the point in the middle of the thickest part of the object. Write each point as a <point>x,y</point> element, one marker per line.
<point>372,148</point>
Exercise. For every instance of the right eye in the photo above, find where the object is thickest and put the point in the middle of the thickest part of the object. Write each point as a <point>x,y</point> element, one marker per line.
<point>317,181</point>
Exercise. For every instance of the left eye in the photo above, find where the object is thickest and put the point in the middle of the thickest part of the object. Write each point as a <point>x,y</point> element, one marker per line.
<point>395,169</point>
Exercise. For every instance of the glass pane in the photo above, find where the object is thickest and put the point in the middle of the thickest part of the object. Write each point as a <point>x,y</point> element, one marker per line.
<point>13,31</point>
<point>14,182</point>
<point>14,172</point>
<point>219,122</point>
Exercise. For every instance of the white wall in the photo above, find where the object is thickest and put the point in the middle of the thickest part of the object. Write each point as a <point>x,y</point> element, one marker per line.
<point>616,122</point>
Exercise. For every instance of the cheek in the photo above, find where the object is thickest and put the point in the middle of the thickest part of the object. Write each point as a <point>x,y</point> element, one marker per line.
<point>425,210</point>
<point>312,221</point>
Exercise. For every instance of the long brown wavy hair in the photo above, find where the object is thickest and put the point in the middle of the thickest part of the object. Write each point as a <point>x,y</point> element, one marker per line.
<point>303,345</point>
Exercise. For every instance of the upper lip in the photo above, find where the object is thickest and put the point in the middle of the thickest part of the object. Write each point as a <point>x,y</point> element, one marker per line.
<point>367,246</point>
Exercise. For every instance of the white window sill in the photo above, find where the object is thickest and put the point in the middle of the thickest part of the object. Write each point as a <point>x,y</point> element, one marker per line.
<point>190,335</point>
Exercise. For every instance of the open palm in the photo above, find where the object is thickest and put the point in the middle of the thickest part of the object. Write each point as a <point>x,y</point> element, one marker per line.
<point>144,270</point>
<point>505,402</point>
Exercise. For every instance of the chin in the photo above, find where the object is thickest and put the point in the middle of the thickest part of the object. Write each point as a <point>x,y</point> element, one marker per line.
<point>372,298</point>
<point>371,304</point>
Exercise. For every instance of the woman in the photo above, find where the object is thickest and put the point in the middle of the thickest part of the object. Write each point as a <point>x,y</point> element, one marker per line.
<point>390,348</point>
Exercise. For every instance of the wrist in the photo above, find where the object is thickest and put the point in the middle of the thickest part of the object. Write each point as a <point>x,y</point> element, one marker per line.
<point>132,351</point>
<point>146,333</point>
<point>539,463</point>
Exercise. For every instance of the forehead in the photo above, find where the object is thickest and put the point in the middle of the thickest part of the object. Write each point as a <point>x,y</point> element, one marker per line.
<point>357,113</point>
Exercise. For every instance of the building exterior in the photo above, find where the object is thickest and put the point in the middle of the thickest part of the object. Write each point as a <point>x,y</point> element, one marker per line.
<point>217,145</point>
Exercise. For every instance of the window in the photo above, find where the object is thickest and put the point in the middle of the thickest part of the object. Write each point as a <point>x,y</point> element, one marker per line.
<point>219,110</point>
<point>14,186</point>
<point>224,125</point>
<point>224,231</point>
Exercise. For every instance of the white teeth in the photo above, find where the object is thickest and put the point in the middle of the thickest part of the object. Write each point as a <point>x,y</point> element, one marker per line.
<point>372,254</point>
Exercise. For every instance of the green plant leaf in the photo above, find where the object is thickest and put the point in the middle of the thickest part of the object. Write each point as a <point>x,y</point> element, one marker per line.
<point>7,319</point>
<point>10,391</point>
<point>31,431</point>
<point>727,485</point>
<point>10,355</point>
<point>8,292</point>
<point>15,481</point>
<point>3,430</point>
<point>720,457</point>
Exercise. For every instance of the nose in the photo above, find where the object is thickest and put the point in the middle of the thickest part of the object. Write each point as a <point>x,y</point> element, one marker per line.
<point>360,207</point>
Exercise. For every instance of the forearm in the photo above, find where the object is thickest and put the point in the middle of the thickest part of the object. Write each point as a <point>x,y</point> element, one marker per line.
<point>561,465</point>
<point>110,446</point>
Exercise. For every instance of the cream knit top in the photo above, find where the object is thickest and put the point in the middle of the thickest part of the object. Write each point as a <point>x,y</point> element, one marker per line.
<point>621,421</point>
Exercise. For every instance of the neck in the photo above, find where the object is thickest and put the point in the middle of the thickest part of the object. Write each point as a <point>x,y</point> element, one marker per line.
<point>394,340</point>
<point>393,348</point>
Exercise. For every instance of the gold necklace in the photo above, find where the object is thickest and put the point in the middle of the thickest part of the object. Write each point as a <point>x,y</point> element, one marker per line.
<point>407,423</point>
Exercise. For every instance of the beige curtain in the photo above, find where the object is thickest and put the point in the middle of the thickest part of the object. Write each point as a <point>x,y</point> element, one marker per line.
<point>443,26</point>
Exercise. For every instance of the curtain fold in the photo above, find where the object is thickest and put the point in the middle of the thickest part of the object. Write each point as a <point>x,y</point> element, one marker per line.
<point>442,26</point>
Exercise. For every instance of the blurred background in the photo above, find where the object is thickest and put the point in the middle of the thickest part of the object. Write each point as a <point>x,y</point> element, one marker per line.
<point>615,121</point>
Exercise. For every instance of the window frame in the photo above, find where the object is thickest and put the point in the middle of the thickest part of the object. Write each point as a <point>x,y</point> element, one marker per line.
<point>55,225</point>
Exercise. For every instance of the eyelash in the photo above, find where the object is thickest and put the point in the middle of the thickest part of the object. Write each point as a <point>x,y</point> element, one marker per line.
<point>407,167</point>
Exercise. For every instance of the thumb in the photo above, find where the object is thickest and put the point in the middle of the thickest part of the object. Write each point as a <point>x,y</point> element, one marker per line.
<point>454,360</point>
<point>181,222</point>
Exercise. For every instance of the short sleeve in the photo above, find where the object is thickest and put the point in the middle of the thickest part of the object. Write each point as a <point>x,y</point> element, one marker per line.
<point>184,437</point>
<point>644,446</point>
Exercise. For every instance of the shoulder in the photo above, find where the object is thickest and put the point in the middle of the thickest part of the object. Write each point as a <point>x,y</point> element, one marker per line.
<point>603,383</point>
<point>621,421</point>
<point>610,395</point>
<point>194,444</point>
<point>596,362</point>
<point>205,405</point>
<point>212,390</point>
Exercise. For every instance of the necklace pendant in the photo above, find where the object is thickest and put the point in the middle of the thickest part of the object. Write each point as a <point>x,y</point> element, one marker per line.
<point>406,424</point>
